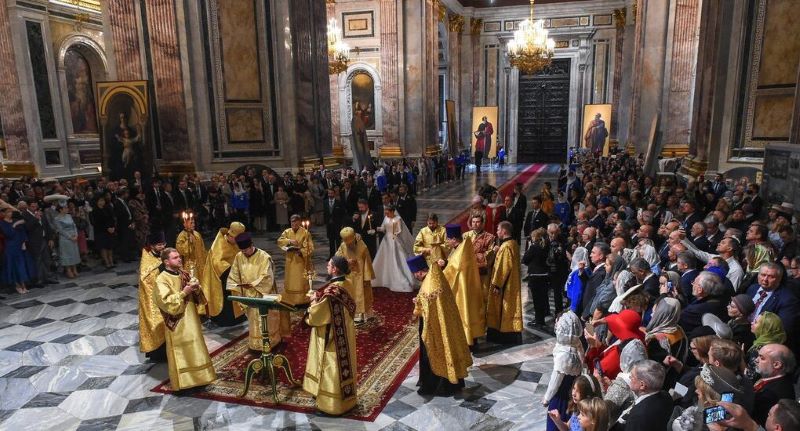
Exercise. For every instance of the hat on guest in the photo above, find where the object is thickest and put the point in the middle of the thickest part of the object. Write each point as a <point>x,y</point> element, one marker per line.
<point>453,230</point>
<point>156,237</point>
<point>625,325</point>
<point>721,329</point>
<point>235,229</point>
<point>244,240</point>
<point>717,270</point>
<point>721,380</point>
<point>744,303</point>
<point>417,263</point>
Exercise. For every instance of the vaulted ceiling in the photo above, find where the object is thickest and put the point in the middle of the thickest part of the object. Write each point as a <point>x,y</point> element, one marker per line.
<point>499,3</point>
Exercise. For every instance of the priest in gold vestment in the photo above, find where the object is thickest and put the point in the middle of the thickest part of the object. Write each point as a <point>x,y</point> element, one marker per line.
<point>190,245</point>
<point>504,306</point>
<point>177,297</point>
<point>217,265</point>
<point>331,375</point>
<point>482,244</point>
<point>462,275</point>
<point>299,247</point>
<point>443,352</point>
<point>252,275</point>
<point>430,241</point>
<point>361,273</point>
<point>151,322</point>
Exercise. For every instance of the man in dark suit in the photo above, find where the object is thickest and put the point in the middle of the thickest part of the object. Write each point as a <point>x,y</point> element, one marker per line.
<point>770,295</point>
<point>125,227</point>
<point>708,292</point>
<point>698,236</point>
<point>687,268</point>
<point>169,217</point>
<point>515,215</point>
<point>644,276</point>
<point>154,200</point>
<point>651,407</point>
<point>364,223</point>
<point>334,215</point>
<point>39,240</point>
<point>406,207</point>
<point>718,187</point>
<point>372,195</point>
<point>691,216</point>
<point>536,218</point>
<point>184,200</point>
<point>713,234</point>
<point>520,202</point>
<point>349,197</point>
<point>269,184</point>
<point>597,256</point>
<point>776,365</point>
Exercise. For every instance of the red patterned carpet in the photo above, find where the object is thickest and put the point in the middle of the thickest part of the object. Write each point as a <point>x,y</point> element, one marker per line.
<point>386,352</point>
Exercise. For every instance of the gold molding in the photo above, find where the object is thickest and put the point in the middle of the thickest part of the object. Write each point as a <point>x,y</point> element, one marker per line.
<point>16,169</point>
<point>675,150</point>
<point>442,11</point>
<point>476,25</point>
<point>433,150</point>
<point>455,23</point>
<point>176,168</point>
<point>390,151</point>
<point>693,167</point>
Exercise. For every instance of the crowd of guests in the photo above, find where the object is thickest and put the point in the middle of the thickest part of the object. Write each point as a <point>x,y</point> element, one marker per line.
<point>53,226</point>
<point>675,303</point>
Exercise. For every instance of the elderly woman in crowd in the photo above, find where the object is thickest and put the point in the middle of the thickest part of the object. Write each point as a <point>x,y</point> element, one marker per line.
<point>768,329</point>
<point>68,253</point>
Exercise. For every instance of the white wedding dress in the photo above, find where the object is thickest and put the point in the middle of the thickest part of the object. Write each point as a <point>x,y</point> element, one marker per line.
<point>391,270</point>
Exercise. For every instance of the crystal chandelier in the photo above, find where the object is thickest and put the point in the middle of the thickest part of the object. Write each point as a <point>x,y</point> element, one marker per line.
<point>531,50</point>
<point>338,51</point>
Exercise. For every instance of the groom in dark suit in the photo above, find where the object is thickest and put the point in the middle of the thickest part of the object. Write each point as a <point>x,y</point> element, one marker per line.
<point>364,223</point>
<point>334,216</point>
<point>652,407</point>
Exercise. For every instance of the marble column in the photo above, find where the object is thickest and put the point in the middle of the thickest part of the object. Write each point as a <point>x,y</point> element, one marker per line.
<point>794,136</point>
<point>419,76</point>
<point>620,16</point>
<point>431,96</point>
<point>122,27</point>
<point>311,78</point>
<point>390,52</point>
<point>333,82</point>
<point>680,72</point>
<point>705,88</point>
<point>455,26</point>
<point>17,155</point>
<point>167,79</point>
<point>625,18</point>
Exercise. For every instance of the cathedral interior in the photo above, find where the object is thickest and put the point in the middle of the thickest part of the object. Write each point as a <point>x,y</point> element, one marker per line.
<point>107,88</point>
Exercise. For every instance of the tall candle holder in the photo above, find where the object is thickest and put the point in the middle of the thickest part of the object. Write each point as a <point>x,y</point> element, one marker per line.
<point>310,272</point>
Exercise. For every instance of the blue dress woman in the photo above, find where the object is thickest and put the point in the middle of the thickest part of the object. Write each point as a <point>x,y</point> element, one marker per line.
<point>17,266</point>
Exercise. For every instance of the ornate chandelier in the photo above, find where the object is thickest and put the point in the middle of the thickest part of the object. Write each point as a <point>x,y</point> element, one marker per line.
<point>531,50</point>
<point>338,51</point>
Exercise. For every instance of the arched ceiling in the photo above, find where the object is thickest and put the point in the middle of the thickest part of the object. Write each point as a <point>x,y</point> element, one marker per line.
<point>500,3</point>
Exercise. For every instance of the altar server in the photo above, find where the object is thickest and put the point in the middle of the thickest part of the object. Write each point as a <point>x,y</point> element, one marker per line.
<point>464,280</point>
<point>190,245</point>
<point>215,273</point>
<point>504,305</point>
<point>177,297</point>
<point>299,247</point>
<point>361,273</point>
<point>430,241</point>
<point>151,322</point>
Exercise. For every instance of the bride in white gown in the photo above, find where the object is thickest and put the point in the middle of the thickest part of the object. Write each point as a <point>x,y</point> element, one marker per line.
<point>390,266</point>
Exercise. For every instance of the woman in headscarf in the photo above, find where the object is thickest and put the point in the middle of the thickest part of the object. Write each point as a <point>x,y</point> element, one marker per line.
<point>567,365</point>
<point>665,337</point>
<point>649,253</point>
<point>739,308</point>
<point>619,395</point>
<point>579,275</point>
<point>563,210</point>
<point>754,257</point>
<point>624,327</point>
<point>768,329</point>
<point>710,384</point>
<point>606,292</point>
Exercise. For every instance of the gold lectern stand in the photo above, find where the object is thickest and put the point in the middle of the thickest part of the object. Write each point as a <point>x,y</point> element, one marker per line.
<point>268,360</point>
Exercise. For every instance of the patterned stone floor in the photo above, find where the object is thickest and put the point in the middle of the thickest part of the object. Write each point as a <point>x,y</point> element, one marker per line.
<point>69,360</point>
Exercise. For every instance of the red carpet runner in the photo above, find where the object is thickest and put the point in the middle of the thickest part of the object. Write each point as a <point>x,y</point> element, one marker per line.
<point>386,351</point>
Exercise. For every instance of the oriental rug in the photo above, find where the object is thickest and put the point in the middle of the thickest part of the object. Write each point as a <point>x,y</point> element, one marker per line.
<point>386,351</point>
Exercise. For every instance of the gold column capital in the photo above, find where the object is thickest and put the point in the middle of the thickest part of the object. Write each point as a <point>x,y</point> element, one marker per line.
<point>442,11</point>
<point>455,23</point>
<point>476,26</point>
<point>619,17</point>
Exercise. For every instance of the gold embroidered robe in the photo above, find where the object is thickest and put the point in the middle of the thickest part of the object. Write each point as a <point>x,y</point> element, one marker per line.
<point>257,271</point>
<point>187,355</point>
<point>193,251</point>
<point>462,275</point>
<point>442,331</point>
<point>324,377</point>
<point>434,240</point>
<point>504,311</point>
<point>482,244</point>
<point>359,284</point>
<point>151,322</point>
<point>295,284</point>
<point>219,259</point>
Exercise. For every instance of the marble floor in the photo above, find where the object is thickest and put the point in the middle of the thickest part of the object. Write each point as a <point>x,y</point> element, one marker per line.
<point>69,359</point>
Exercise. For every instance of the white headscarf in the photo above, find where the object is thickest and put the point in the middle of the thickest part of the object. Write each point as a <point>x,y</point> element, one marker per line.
<point>649,253</point>
<point>581,254</point>
<point>568,352</point>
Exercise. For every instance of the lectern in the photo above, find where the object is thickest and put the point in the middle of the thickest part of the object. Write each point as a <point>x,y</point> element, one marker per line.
<point>268,361</point>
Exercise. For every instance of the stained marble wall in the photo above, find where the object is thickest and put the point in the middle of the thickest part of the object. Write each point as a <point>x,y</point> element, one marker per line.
<point>12,119</point>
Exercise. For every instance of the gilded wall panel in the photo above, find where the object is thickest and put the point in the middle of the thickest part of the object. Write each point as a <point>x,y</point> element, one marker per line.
<point>773,117</point>
<point>245,125</point>
<point>781,46</point>
<point>239,45</point>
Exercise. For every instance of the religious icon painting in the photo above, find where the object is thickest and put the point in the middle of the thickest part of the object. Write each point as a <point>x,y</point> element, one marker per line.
<point>125,136</point>
<point>596,128</point>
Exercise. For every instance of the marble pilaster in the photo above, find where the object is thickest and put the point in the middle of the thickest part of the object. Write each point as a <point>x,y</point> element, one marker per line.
<point>415,19</point>
<point>620,18</point>
<point>333,82</point>
<point>680,69</point>
<point>122,25</point>
<point>455,26</point>
<point>431,79</point>
<point>705,88</point>
<point>167,77</point>
<point>390,73</point>
<point>17,153</point>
